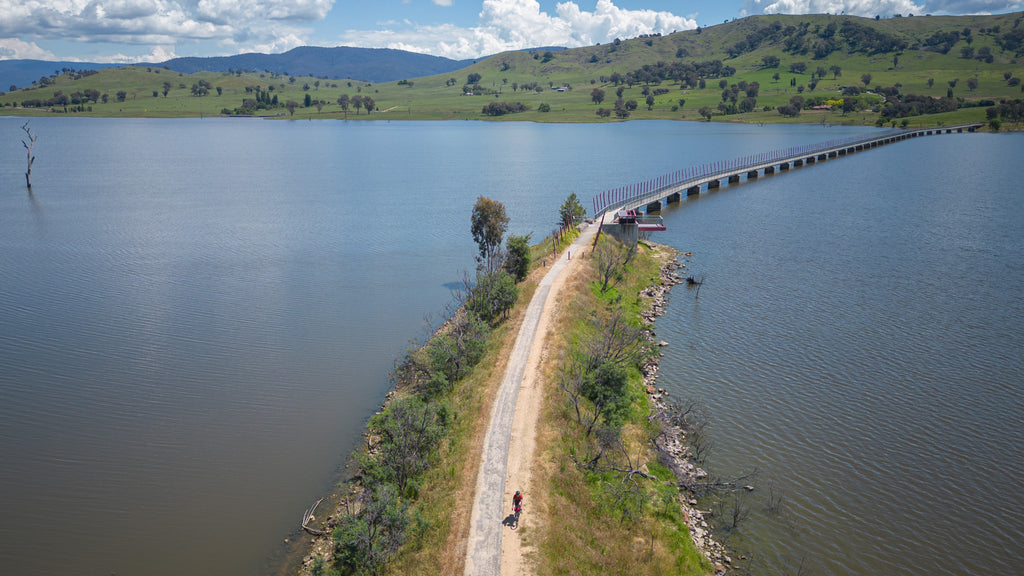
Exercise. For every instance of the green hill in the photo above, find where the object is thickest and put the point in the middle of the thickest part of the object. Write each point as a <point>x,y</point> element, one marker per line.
<point>922,70</point>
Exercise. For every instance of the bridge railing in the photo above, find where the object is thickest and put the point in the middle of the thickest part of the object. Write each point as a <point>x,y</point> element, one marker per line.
<point>656,188</point>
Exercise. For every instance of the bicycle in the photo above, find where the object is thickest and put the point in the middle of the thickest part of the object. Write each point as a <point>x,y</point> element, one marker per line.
<point>515,516</point>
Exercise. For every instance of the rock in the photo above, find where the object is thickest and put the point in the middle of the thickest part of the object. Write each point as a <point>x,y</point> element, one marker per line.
<point>748,488</point>
<point>662,344</point>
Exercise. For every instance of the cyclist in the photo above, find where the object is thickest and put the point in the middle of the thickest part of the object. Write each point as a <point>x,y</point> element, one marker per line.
<point>517,501</point>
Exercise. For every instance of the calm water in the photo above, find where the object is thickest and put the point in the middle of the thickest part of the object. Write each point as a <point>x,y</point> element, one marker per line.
<point>860,341</point>
<point>198,316</point>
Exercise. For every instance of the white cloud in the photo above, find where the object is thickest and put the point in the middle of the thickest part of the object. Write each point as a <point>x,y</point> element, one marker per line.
<point>884,8</point>
<point>517,24</point>
<point>162,23</point>
<point>14,49</point>
<point>866,8</point>
<point>156,54</point>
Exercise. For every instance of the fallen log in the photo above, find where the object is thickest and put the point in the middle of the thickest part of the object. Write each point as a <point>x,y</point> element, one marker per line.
<point>306,517</point>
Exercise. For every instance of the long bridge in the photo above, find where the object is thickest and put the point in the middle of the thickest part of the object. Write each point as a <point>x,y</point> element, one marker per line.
<point>624,202</point>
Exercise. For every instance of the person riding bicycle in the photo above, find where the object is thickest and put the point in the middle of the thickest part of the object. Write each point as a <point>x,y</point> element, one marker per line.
<point>517,501</point>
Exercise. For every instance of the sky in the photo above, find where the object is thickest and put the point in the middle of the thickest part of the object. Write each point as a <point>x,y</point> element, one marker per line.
<point>126,31</point>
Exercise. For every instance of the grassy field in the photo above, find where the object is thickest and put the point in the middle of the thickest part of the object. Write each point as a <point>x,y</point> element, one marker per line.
<point>562,82</point>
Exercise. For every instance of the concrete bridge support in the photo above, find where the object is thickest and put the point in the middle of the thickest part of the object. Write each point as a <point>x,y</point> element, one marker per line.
<point>812,159</point>
<point>798,162</point>
<point>712,184</point>
<point>734,178</point>
<point>784,166</point>
<point>751,174</point>
<point>822,156</point>
<point>628,234</point>
<point>675,197</point>
<point>653,207</point>
<point>693,191</point>
<point>769,170</point>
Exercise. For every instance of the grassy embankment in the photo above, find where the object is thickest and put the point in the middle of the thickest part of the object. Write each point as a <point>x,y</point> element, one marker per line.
<point>503,76</point>
<point>579,529</point>
<point>440,511</point>
<point>586,527</point>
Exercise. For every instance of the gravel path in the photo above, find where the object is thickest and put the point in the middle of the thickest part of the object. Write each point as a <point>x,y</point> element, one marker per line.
<point>484,546</point>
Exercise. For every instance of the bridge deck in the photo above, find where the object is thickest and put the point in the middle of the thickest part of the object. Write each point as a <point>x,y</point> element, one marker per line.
<point>641,195</point>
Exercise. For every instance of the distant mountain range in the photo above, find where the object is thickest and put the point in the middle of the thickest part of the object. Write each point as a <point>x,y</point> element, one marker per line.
<point>369,64</point>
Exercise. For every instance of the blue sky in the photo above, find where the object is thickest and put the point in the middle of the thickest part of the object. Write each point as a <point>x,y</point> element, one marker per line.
<point>156,30</point>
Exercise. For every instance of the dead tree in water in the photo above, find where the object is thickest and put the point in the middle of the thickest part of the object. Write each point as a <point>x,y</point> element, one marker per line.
<point>28,146</point>
<point>309,516</point>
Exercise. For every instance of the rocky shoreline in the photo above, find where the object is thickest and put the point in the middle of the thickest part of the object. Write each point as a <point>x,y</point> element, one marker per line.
<point>672,448</point>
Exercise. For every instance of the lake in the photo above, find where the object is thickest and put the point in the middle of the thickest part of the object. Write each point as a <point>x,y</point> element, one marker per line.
<point>197,317</point>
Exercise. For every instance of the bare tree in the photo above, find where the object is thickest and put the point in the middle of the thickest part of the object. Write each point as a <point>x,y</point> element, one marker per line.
<point>614,339</point>
<point>608,260</point>
<point>31,159</point>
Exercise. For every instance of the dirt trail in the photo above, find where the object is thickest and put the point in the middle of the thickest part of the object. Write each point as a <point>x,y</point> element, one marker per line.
<point>493,548</point>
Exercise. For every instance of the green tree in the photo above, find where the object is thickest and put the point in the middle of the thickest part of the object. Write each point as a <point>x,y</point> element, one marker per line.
<point>493,295</point>
<point>865,78</point>
<point>365,540</point>
<point>343,102</point>
<point>517,256</point>
<point>606,389</point>
<point>403,436</point>
<point>597,95</point>
<point>836,71</point>
<point>706,112</point>
<point>571,210</point>
<point>488,224</point>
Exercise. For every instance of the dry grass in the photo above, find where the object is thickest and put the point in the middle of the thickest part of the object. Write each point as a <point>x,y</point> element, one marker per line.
<point>581,532</point>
